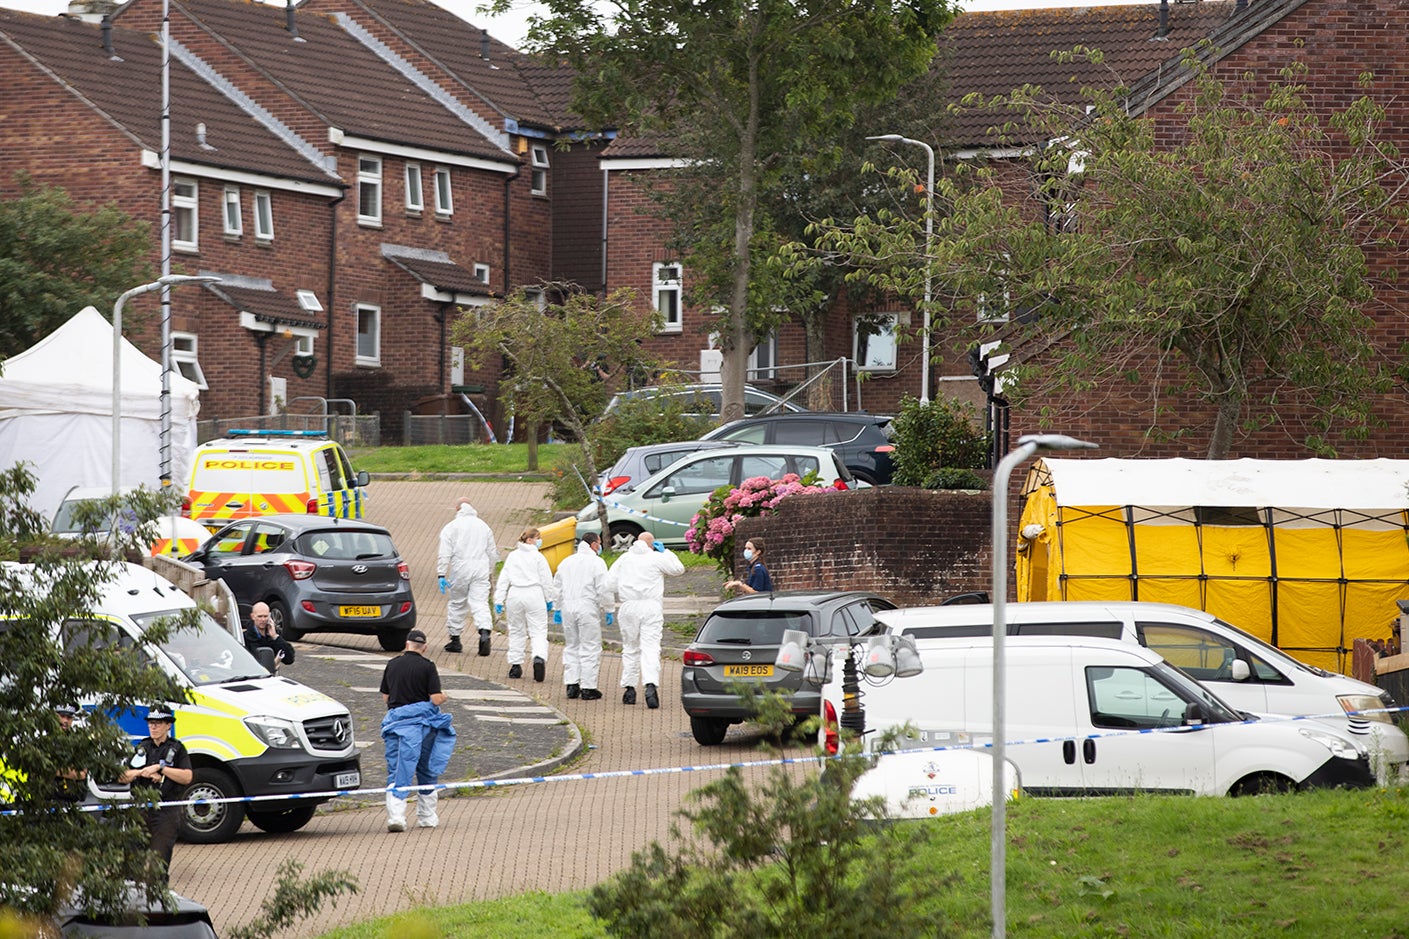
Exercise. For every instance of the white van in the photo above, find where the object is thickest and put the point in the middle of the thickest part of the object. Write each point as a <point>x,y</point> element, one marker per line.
<point>1241,669</point>
<point>1079,720</point>
<point>248,732</point>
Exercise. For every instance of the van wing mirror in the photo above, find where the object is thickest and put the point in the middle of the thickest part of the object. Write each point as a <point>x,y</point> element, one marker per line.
<point>265,657</point>
<point>1239,670</point>
<point>1194,714</point>
<point>363,477</point>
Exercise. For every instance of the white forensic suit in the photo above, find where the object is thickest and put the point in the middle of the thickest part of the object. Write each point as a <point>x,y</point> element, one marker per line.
<point>581,582</point>
<point>466,559</point>
<point>637,579</point>
<point>525,589</point>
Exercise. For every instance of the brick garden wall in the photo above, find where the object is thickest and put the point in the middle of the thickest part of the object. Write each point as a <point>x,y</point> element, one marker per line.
<point>913,546</point>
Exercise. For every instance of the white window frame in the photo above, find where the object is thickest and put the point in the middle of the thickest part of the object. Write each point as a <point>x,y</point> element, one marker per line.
<point>668,290</point>
<point>415,194</point>
<point>881,357</point>
<point>444,191</point>
<point>234,222</point>
<point>369,189</point>
<point>482,273</point>
<point>185,206</point>
<point>763,360</point>
<point>263,215</point>
<point>538,160</point>
<point>372,357</point>
<point>185,358</point>
<point>303,344</point>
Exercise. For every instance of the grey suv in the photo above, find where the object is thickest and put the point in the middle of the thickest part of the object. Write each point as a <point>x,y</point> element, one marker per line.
<point>740,640</point>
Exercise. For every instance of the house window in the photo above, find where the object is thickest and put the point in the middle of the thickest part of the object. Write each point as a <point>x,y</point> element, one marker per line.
<point>666,288</point>
<point>234,225</point>
<point>369,335</point>
<point>369,190</point>
<point>444,203</point>
<point>184,218</point>
<point>538,157</point>
<point>415,200</point>
<point>482,273</point>
<point>994,309</point>
<point>263,215</point>
<point>874,344</point>
<point>763,359</point>
<point>184,358</point>
<point>303,344</point>
<point>308,301</point>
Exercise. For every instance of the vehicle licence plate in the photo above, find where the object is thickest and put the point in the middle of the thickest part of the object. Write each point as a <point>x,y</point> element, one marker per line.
<point>347,780</point>
<point>748,671</point>
<point>359,611</point>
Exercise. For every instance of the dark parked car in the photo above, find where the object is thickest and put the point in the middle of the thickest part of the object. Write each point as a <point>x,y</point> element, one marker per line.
<point>863,441</point>
<point>184,919</point>
<point>740,640</point>
<point>317,574</point>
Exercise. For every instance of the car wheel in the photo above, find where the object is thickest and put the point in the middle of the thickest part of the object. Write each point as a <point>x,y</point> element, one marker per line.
<point>622,534</point>
<point>709,731</point>
<point>1262,784</point>
<point>282,821</point>
<point>392,640</point>
<point>215,823</point>
<point>279,619</point>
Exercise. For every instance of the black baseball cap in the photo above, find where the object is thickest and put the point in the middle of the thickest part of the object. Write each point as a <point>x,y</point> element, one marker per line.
<point>416,635</point>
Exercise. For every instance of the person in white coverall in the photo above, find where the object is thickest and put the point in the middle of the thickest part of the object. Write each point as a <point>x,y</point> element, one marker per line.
<point>525,594</point>
<point>581,582</point>
<point>637,580</point>
<point>466,559</point>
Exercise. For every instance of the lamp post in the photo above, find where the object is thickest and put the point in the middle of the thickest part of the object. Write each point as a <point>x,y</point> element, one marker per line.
<point>929,267</point>
<point>1027,446</point>
<point>158,284</point>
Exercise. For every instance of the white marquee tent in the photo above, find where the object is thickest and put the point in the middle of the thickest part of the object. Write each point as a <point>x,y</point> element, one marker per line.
<point>56,412</point>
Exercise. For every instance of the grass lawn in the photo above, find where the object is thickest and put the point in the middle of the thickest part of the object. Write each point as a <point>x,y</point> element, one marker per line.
<point>491,459</point>
<point>1313,865</point>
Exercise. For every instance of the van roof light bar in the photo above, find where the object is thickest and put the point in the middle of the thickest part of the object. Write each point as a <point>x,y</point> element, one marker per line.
<point>255,432</point>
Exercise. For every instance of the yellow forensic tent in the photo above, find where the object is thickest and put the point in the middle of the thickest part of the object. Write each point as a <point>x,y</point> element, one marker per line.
<point>1309,555</point>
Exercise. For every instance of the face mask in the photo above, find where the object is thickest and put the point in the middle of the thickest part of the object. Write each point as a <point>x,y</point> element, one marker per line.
<point>748,554</point>
<point>538,542</point>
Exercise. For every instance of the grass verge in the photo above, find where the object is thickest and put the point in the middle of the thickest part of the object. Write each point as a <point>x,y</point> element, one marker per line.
<point>490,459</point>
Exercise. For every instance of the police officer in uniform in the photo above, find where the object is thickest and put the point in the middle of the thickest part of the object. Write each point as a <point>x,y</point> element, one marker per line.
<point>160,770</point>
<point>71,785</point>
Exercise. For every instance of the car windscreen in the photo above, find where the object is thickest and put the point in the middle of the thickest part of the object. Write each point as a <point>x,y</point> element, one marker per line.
<point>345,545</point>
<point>1216,710</point>
<point>205,653</point>
<point>67,518</point>
<point>754,627</point>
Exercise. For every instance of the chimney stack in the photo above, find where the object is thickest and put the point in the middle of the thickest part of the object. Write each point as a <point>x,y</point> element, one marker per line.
<point>91,11</point>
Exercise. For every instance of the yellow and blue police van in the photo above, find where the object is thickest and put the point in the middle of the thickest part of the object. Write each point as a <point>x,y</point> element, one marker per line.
<point>249,733</point>
<point>249,473</point>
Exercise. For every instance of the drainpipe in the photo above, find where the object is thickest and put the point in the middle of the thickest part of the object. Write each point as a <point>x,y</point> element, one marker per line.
<point>262,338</point>
<point>443,379</point>
<point>332,309</point>
<point>508,191</point>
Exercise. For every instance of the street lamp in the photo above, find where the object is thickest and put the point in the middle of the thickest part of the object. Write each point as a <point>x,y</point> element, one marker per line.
<point>929,267</point>
<point>158,284</point>
<point>1027,446</point>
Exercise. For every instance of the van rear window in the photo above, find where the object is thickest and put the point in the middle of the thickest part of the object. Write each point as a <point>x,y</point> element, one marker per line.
<point>248,472</point>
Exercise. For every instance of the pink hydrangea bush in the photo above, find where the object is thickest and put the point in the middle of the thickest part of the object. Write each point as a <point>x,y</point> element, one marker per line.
<point>711,531</point>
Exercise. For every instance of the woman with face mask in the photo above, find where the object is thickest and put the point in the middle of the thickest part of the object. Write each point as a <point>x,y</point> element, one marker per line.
<point>758,579</point>
<point>525,595</point>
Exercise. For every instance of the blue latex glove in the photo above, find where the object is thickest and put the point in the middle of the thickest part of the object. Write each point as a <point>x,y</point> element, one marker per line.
<point>444,585</point>
<point>659,547</point>
<point>611,618</point>
<point>558,617</point>
<point>498,609</point>
<point>550,606</point>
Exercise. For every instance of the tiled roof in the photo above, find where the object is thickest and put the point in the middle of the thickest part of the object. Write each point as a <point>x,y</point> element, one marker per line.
<point>436,269</point>
<point>636,148</point>
<point>505,78</point>
<point>259,298</point>
<point>125,90</point>
<point>337,78</point>
<point>993,53</point>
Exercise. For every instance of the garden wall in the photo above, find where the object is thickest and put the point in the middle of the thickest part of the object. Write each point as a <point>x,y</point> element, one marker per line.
<point>913,546</point>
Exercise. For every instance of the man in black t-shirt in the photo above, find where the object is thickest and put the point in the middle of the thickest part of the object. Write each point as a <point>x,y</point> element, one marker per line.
<point>417,734</point>
<point>160,770</point>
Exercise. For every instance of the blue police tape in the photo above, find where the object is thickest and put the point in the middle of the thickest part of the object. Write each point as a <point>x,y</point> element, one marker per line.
<point>638,513</point>
<point>704,767</point>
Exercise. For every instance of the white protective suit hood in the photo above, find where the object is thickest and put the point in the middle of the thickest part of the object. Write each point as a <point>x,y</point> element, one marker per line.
<point>467,548</point>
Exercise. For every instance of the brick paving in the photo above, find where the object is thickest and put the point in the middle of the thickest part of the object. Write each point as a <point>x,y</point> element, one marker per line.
<point>550,836</point>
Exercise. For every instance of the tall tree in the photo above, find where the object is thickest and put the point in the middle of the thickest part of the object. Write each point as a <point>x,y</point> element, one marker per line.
<point>744,93</point>
<point>57,258</point>
<point>1217,252</point>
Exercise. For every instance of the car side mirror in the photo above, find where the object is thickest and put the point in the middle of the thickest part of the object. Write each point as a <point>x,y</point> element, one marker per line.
<point>1239,670</point>
<point>265,656</point>
<point>363,477</point>
<point>666,493</point>
<point>1194,714</point>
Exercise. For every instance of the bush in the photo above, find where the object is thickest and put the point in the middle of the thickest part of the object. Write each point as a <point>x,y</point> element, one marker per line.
<point>940,435</point>
<point>711,531</point>
<point>953,477</point>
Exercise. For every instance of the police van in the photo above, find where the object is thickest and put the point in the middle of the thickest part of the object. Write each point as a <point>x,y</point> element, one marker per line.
<point>249,473</point>
<point>249,733</point>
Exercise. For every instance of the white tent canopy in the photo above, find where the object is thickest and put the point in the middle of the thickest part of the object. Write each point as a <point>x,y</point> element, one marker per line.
<point>56,412</point>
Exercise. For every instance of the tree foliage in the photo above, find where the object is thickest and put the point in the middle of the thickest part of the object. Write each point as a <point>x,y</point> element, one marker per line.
<point>746,95</point>
<point>1218,253</point>
<point>56,259</point>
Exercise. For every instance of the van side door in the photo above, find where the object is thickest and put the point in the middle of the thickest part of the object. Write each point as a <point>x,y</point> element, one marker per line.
<point>1120,701</point>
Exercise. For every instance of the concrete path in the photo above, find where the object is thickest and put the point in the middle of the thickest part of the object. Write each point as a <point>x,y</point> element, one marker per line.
<point>549,836</point>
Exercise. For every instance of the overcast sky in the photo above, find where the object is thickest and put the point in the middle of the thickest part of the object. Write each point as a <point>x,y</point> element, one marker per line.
<point>511,27</point>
